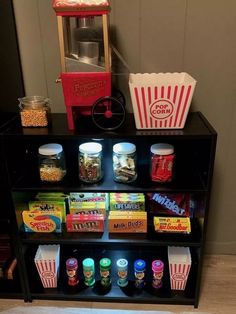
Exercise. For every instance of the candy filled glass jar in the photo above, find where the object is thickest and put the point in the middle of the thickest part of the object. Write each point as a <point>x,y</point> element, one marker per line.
<point>52,166</point>
<point>34,111</point>
<point>124,162</point>
<point>90,162</point>
<point>162,160</point>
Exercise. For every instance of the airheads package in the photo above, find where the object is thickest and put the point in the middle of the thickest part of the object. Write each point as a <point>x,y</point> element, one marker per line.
<point>42,222</point>
<point>172,204</point>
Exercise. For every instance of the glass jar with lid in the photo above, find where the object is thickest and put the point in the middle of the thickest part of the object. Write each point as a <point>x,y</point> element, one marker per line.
<point>90,162</point>
<point>124,162</point>
<point>52,166</point>
<point>162,160</point>
<point>34,111</point>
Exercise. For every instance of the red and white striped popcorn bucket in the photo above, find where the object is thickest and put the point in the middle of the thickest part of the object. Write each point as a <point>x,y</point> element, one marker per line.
<point>47,260</point>
<point>161,100</point>
<point>179,266</point>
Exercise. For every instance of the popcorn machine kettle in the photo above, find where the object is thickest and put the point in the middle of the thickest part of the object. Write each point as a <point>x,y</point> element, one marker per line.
<point>86,63</point>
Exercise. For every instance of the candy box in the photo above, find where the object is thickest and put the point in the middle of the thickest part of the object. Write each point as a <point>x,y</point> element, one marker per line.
<point>179,266</point>
<point>42,222</point>
<point>88,197</point>
<point>47,261</point>
<point>46,206</point>
<point>84,223</point>
<point>161,100</point>
<point>171,204</point>
<point>127,201</point>
<point>127,222</point>
<point>88,208</point>
<point>172,224</point>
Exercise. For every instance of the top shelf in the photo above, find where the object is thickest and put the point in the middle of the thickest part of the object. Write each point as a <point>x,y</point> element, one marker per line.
<point>196,126</point>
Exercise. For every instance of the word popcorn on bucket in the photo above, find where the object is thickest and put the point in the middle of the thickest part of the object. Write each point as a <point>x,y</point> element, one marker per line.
<point>161,101</point>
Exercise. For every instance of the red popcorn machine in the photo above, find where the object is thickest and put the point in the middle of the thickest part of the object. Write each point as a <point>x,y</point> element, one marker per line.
<point>86,63</point>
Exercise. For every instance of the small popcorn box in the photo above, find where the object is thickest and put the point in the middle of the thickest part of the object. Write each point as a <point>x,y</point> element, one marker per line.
<point>179,266</point>
<point>161,101</point>
<point>47,261</point>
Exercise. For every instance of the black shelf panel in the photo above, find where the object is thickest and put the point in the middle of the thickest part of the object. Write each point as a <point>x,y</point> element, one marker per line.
<point>151,238</point>
<point>11,288</point>
<point>196,126</point>
<point>184,181</point>
<point>115,294</point>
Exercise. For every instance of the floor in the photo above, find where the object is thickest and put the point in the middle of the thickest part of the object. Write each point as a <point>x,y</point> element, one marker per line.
<point>218,294</point>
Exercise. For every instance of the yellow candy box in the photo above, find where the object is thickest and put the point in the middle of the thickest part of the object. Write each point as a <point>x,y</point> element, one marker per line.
<point>41,221</point>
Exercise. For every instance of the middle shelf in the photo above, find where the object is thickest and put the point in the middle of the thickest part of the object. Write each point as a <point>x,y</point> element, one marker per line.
<point>151,238</point>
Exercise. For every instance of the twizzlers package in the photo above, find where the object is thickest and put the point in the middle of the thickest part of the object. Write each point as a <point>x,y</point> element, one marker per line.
<point>173,204</point>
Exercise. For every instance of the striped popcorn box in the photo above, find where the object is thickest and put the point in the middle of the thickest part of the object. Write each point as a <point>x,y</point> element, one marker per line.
<point>179,266</point>
<point>161,101</point>
<point>47,261</point>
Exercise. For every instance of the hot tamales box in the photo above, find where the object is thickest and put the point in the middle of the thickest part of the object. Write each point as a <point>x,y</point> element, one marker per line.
<point>127,222</point>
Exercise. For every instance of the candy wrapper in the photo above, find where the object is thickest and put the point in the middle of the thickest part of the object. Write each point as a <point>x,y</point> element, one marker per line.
<point>171,204</point>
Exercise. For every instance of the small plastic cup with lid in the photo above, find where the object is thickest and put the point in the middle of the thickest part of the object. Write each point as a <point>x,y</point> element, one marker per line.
<point>139,273</point>
<point>72,271</point>
<point>122,268</point>
<point>124,162</point>
<point>89,271</point>
<point>105,272</point>
<point>162,160</point>
<point>52,166</point>
<point>90,162</point>
<point>158,269</point>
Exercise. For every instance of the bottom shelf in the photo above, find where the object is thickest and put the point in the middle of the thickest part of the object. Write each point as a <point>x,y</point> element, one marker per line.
<point>115,294</point>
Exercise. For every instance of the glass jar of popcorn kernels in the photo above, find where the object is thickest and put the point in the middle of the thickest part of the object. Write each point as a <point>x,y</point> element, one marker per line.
<point>34,111</point>
<point>52,166</point>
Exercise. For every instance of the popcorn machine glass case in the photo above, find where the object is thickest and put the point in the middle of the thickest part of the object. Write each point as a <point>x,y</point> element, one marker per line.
<point>86,62</point>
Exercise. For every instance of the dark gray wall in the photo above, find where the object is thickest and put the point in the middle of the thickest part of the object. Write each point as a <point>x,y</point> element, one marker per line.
<point>11,81</point>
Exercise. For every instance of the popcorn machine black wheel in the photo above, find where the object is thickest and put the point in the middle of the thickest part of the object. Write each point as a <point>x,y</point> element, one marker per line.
<point>116,93</point>
<point>108,113</point>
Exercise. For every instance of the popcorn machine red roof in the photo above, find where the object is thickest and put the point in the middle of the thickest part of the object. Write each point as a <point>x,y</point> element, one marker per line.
<point>86,63</point>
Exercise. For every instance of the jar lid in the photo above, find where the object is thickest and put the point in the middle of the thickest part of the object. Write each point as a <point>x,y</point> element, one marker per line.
<point>71,263</point>
<point>157,266</point>
<point>90,148</point>
<point>50,149</point>
<point>124,148</point>
<point>139,265</point>
<point>88,264</point>
<point>34,102</point>
<point>105,263</point>
<point>122,264</point>
<point>162,149</point>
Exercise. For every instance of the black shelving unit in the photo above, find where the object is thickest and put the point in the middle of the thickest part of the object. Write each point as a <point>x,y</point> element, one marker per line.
<point>195,152</point>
